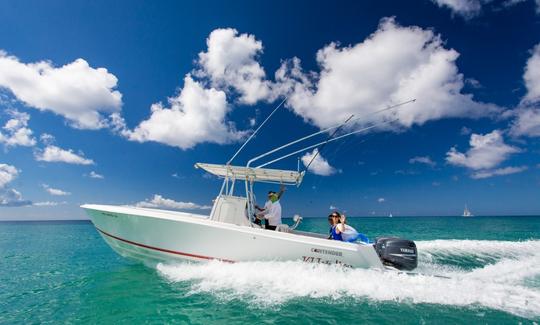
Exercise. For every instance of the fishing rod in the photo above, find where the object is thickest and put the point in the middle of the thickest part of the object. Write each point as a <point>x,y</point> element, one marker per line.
<point>327,129</point>
<point>327,141</point>
<point>318,150</point>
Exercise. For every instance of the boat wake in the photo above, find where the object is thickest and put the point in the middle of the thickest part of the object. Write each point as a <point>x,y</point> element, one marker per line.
<point>499,275</point>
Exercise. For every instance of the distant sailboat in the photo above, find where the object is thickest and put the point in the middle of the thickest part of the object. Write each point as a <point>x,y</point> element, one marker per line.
<point>466,212</point>
<point>390,215</point>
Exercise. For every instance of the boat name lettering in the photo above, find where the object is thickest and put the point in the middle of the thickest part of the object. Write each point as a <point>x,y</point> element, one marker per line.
<point>109,214</point>
<point>325,251</point>
<point>320,260</point>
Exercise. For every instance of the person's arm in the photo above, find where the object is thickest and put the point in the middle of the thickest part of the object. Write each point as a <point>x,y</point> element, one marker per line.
<point>259,208</point>
<point>281,191</point>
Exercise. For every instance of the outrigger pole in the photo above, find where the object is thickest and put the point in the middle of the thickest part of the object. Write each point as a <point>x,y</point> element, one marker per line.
<point>257,130</point>
<point>327,141</point>
<point>326,130</point>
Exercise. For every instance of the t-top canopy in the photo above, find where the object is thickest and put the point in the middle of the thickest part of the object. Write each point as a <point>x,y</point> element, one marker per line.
<point>264,175</point>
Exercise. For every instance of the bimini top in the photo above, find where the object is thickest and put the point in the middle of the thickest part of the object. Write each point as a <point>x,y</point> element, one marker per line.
<point>264,175</point>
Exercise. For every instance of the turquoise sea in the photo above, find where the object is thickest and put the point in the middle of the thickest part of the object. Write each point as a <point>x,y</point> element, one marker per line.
<point>481,270</point>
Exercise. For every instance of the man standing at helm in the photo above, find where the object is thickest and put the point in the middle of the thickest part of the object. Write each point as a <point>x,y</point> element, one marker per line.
<point>272,209</point>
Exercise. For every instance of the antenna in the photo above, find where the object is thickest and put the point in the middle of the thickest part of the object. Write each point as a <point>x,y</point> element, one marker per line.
<point>257,130</point>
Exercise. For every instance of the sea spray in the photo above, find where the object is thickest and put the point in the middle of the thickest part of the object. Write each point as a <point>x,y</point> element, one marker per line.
<point>500,283</point>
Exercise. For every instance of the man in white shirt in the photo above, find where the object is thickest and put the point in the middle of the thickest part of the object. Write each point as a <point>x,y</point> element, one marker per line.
<point>272,209</point>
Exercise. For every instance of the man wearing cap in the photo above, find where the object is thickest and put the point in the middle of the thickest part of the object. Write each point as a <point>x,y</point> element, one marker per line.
<point>272,209</point>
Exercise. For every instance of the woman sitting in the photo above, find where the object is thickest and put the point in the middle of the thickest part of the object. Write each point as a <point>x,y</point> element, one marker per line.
<point>339,230</point>
<point>335,227</point>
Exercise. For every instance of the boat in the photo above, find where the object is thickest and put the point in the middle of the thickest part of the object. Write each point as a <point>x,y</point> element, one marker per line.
<point>466,212</point>
<point>229,233</point>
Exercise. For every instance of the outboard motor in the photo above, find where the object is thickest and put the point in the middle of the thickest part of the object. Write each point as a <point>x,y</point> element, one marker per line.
<point>397,252</point>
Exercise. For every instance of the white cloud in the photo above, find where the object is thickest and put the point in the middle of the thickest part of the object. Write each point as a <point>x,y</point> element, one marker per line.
<point>381,200</point>
<point>76,91</point>
<point>54,191</point>
<point>392,65</point>
<point>230,61</point>
<point>527,115</point>
<point>55,154</point>
<point>471,8</point>
<point>10,197</point>
<point>16,132</point>
<point>319,166</point>
<point>532,77</point>
<point>465,8</point>
<point>498,172</point>
<point>465,131</point>
<point>48,203</point>
<point>487,151</point>
<point>7,174</point>
<point>196,115</point>
<point>47,138</point>
<point>526,123</point>
<point>158,201</point>
<point>93,174</point>
<point>422,160</point>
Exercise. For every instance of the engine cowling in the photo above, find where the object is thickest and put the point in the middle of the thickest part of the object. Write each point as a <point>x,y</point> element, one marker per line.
<point>397,252</point>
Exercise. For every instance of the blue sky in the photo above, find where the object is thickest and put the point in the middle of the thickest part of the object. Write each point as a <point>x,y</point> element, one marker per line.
<point>113,103</point>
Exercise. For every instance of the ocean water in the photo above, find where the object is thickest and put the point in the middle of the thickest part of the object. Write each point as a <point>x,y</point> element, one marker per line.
<point>482,270</point>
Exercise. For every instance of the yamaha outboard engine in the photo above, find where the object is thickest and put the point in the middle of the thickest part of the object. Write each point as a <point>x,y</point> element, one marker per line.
<point>397,252</point>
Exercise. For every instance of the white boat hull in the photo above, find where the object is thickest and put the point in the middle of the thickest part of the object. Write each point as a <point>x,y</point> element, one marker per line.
<point>168,236</point>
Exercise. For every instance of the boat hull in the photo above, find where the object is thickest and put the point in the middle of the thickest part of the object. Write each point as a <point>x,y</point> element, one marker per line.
<point>152,235</point>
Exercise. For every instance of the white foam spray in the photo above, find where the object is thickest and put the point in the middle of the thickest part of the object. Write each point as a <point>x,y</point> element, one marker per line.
<point>500,284</point>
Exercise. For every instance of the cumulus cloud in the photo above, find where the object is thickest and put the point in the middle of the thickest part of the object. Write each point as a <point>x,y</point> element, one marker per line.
<point>465,8</point>
<point>392,65</point>
<point>7,174</point>
<point>472,8</point>
<point>53,153</point>
<point>93,174</point>
<point>498,172</point>
<point>532,76</point>
<point>47,138</point>
<point>381,200</point>
<point>319,166</point>
<point>526,123</point>
<point>16,132</point>
<point>195,115</point>
<point>10,197</point>
<point>76,91</point>
<point>527,115</point>
<point>422,160</point>
<point>230,61</point>
<point>54,191</point>
<point>158,201</point>
<point>198,113</point>
<point>487,151</point>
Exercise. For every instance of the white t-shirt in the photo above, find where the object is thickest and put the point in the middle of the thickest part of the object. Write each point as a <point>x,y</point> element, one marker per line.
<point>272,213</point>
